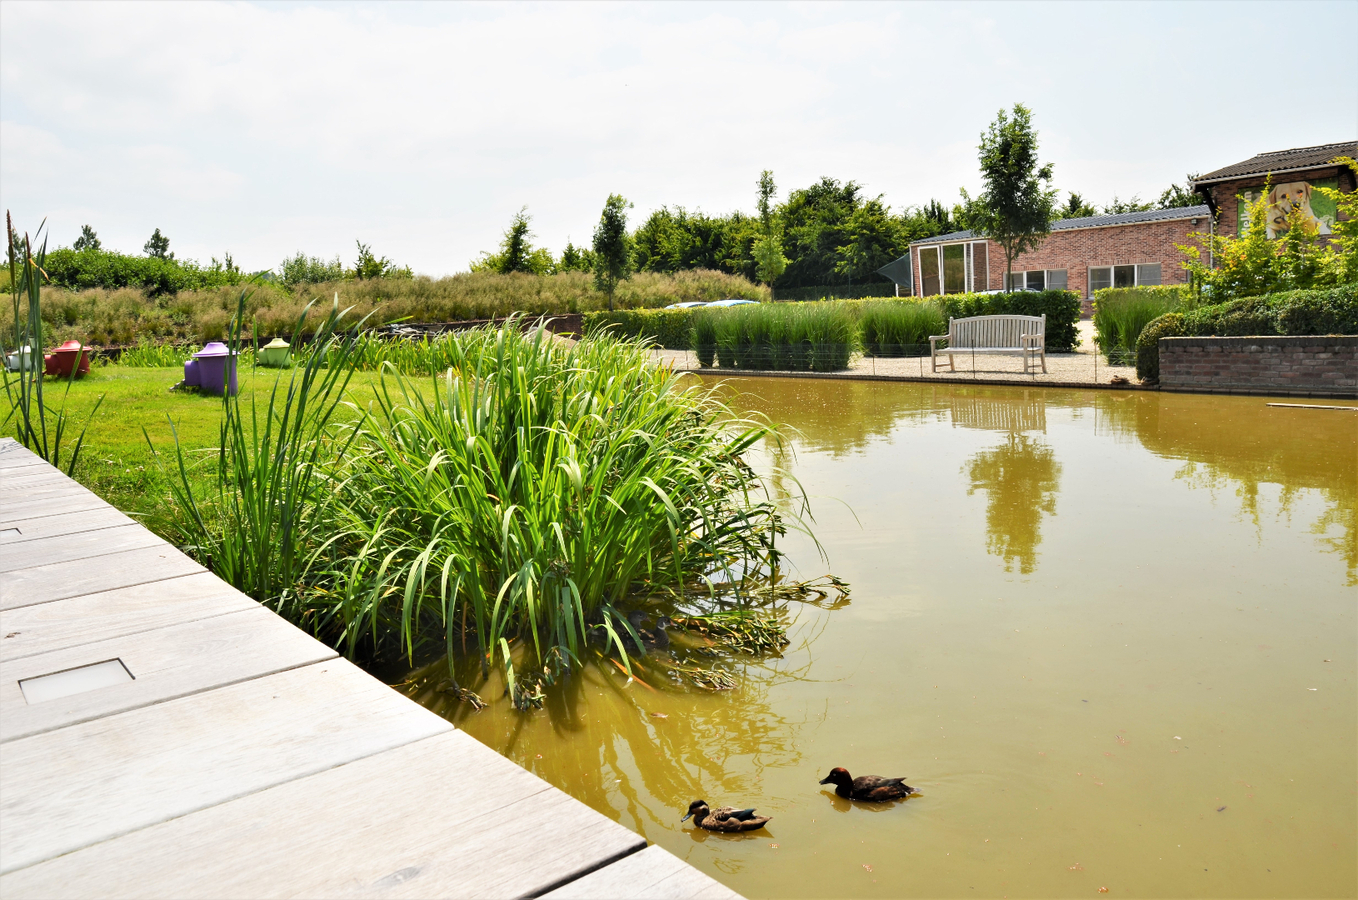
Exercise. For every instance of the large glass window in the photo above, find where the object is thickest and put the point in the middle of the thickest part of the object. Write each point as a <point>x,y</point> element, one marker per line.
<point>954,269</point>
<point>1124,276</point>
<point>1037,280</point>
<point>1100,277</point>
<point>1148,273</point>
<point>1056,279</point>
<point>928,271</point>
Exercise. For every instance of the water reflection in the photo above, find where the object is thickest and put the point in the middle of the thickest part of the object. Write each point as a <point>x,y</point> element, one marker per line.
<point>1020,480</point>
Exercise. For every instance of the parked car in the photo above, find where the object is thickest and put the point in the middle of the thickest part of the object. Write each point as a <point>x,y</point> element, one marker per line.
<point>730,301</point>
<point>687,304</point>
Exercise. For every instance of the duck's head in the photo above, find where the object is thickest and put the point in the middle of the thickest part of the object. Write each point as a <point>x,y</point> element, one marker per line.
<point>838,776</point>
<point>696,808</point>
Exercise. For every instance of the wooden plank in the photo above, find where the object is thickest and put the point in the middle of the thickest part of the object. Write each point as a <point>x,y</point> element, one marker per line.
<point>84,546</point>
<point>13,454</point>
<point>77,786</point>
<point>44,627</point>
<point>416,821</point>
<point>71,501</point>
<point>62,524</point>
<point>16,480</point>
<point>652,874</point>
<point>165,664</point>
<point>27,504</point>
<point>41,584</point>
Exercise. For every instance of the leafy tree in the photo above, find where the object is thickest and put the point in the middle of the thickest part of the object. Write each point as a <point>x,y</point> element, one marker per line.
<point>1179,196</point>
<point>303,269</point>
<point>88,240</point>
<point>575,259</point>
<point>870,243</point>
<point>158,246</point>
<point>516,248</point>
<point>1125,206</point>
<point>770,263</point>
<point>1344,241</point>
<point>937,213</point>
<point>1076,208</point>
<point>369,265</point>
<point>612,247</point>
<point>1016,209</point>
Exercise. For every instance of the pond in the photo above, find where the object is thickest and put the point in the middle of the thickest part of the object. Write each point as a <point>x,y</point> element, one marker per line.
<point>1109,636</point>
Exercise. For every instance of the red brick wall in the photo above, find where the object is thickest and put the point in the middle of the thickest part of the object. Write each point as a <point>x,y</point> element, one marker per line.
<point>1079,249</point>
<point>1225,193</point>
<point>1326,366</point>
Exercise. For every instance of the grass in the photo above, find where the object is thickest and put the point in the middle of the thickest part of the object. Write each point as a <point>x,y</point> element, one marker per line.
<point>1120,315</point>
<point>127,316</point>
<point>815,337</point>
<point>900,328</point>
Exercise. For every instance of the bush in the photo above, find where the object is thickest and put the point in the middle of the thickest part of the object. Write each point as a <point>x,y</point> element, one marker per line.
<point>837,291</point>
<point>899,327</point>
<point>670,328</point>
<point>1062,309</point>
<point>91,268</point>
<point>793,337</point>
<point>1332,311</point>
<point>1121,313</point>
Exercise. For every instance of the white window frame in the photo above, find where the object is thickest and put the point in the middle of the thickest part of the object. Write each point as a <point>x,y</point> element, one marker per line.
<point>1136,275</point>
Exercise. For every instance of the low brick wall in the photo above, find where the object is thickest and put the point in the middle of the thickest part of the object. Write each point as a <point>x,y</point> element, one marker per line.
<point>1313,366</point>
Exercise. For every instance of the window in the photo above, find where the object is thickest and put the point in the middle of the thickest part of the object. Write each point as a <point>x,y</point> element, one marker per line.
<point>928,271</point>
<point>1038,280</point>
<point>954,269</point>
<point>1142,274</point>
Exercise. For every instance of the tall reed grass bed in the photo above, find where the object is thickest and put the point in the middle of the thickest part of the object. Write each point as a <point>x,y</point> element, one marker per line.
<point>793,337</point>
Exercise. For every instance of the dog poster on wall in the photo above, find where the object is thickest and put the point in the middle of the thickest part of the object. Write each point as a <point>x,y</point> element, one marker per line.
<point>1315,208</point>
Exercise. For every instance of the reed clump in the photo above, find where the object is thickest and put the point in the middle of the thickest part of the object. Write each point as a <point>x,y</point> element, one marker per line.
<point>1121,314</point>
<point>794,337</point>
<point>893,328</point>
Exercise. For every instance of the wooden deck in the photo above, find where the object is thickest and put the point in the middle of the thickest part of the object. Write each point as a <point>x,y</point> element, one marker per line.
<point>232,755</point>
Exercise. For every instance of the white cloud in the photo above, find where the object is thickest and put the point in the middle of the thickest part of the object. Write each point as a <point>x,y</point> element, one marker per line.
<point>421,129</point>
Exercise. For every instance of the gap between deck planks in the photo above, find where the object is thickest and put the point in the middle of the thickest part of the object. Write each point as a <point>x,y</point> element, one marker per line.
<point>243,739</point>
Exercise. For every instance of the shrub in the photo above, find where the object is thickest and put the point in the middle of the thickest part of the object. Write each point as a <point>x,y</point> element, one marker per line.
<point>1062,309</point>
<point>794,337</point>
<point>899,328</point>
<point>670,328</point>
<point>1121,313</point>
<point>1331,311</point>
<point>93,268</point>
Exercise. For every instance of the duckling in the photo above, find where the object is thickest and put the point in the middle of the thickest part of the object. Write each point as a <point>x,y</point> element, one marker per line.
<point>873,788</point>
<point>656,637</point>
<point>727,818</point>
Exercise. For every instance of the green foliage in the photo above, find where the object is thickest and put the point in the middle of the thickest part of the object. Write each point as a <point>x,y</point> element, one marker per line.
<point>1121,313</point>
<point>302,269</point>
<point>669,328</point>
<point>155,275</point>
<point>1076,207</point>
<point>28,408</point>
<point>158,246</point>
<point>795,337</point>
<point>1016,209</point>
<point>369,265</point>
<point>1062,309</point>
<point>1135,204</point>
<point>838,291</point>
<point>575,259</point>
<point>1299,312</point>
<point>149,355</point>
<point>517,253</point>
<point>613,256</point>
<point>1345,234</point>
<point>88,240</point>
<point>900,327</point>
<point>1179,196</point>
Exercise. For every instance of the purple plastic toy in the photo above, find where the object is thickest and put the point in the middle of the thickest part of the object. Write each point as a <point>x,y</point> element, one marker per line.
<point>215,369</point>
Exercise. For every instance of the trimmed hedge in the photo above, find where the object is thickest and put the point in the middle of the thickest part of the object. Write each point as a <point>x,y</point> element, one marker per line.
<point>670,328</point>
<point>1062,309</point>
<point>1332,311</point>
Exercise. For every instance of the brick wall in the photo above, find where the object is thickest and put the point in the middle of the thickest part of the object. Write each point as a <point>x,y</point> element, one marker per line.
<point>1326,366</point>
<point>1225,193</point>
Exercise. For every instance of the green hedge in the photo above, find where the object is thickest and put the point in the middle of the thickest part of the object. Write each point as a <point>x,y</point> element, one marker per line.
<point>85,269</point>
<point>670,328</point>
<point>1332,311</point>
<point>1062,309</point>
<point>836,291</point>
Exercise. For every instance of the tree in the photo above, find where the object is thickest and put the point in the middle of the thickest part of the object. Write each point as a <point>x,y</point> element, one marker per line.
<point>370,265</point>
<point>612,247</point>
<point>1015,210</point>
<point>516,248</point>
<point>1126,206</point>
<point>158,246</point>
<point>88,240</point>
<point>1177,197</point>
<point>575,259</point>
<point>1076,208</point>
<point>768,247</point>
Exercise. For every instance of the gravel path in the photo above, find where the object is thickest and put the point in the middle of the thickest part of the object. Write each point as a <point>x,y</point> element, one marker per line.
<point>1083,367</point>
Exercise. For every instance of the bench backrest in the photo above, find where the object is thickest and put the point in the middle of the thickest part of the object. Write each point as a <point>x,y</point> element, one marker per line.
<point>993,331</point>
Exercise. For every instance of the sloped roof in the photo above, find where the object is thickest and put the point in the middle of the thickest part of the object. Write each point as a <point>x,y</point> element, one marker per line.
<point>1282,161</point>
<point>1130,218</point>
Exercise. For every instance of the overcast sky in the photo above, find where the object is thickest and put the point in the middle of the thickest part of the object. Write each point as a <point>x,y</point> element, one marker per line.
<point>267,128</point>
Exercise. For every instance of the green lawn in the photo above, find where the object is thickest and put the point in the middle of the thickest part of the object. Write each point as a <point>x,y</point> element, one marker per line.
<point>117,463</point>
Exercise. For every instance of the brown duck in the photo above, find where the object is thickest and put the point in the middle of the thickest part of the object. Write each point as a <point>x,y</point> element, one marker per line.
<point>873,788</point>
<point>727,818</point>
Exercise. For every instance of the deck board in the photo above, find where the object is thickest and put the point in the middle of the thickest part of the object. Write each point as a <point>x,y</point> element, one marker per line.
<point>438,834</point>
<point>77,522</point>
<point>165,663</point>
<point>42,584</point>
<point>43,627</point>
<point>652,874</point>
<point>69,547</point>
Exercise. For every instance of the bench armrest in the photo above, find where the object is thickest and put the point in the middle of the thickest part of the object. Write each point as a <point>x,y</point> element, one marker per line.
<point>937,337</point>
<point>1027,339</point>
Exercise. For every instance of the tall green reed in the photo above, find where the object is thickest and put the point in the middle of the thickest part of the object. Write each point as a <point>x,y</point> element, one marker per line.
<point>27,405</point>
<point>260,525</point>
<point>900,327</point>
<point>816,337</point>
<point>533,492</point>
<point>1120,316</point>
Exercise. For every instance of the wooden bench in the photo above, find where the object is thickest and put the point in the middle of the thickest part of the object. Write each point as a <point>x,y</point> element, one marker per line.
<point>1026,335</point>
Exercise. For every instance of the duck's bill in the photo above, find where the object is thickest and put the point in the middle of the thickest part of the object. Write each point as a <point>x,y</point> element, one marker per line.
<point>686,817</point>
<point>824,781</point>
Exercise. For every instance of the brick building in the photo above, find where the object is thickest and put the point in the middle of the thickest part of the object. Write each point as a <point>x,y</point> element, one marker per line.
<point>1291,176</point>
<point>1083,255</point>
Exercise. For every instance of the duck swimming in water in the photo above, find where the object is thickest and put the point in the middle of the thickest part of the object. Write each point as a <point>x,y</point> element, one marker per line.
<point>873,788</point>
<point>726,819</point>
<point>656,637</point>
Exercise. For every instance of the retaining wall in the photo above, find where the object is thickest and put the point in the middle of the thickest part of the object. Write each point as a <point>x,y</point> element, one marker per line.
<point>1311,366</point>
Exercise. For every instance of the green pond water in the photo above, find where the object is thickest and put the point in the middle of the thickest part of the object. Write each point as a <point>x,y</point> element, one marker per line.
<point>1109,636</point>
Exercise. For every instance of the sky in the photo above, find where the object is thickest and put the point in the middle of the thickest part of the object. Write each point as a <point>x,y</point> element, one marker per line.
<point>264,129</point>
